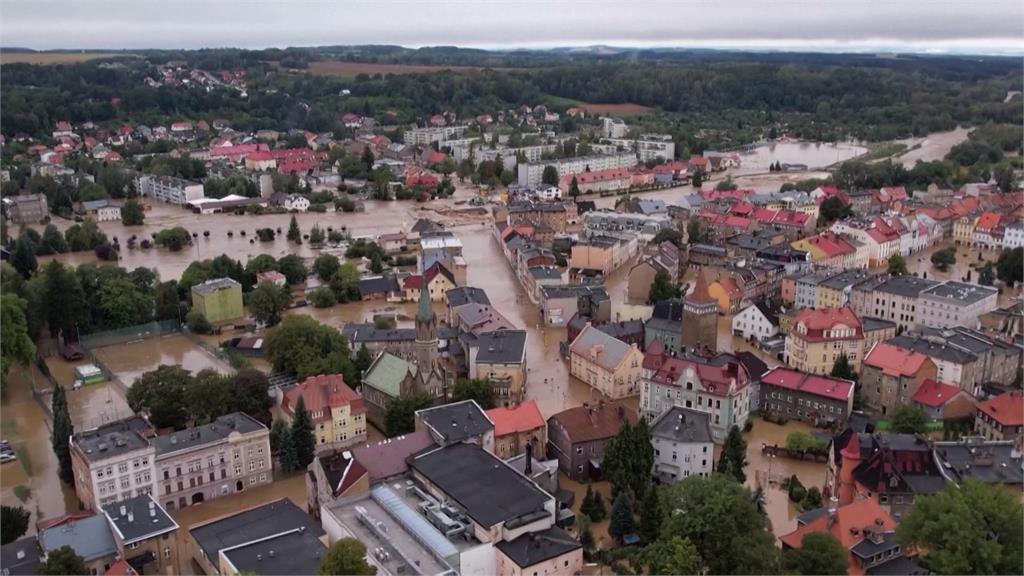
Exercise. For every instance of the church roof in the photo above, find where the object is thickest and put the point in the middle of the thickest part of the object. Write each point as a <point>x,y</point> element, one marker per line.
<point>700,292</point>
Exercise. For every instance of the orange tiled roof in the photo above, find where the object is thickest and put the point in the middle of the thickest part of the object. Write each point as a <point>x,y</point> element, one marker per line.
<point>894,361</point>
<point>323,392</point>
<point>1007,408</point>
<point>515,419</point>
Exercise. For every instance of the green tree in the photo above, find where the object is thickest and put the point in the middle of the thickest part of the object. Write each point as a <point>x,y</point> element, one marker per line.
<point>159,392</point>
<point>13,523</point>
<point>974,528</point>
<point>347,556</point>
<point>267,301</point>
<point>819,553</point>
<point>293,269</point>
<point>24,257</point>
<point>61,434</point>
<point>197,323</point>
<point>662,288</point>
<point>325,266</point>
<point>550,175</point>
<point>298,344</point>
<point>841,368</point>
<point>813,500</point>
<point>698,179</point>
<point>368,158</point>
<point>174,239</point>
<point>363,360</point>
<point>250,394</point>
<point>909,419</point>
<point>278,432</point>
<point>574,187</point>
<point>63,300</point>
<point>1010,266</point>
<point>734,456</point>
<point>695,232</point>
<point>897,265</point>
<point>586,537</point>
<point>132,213</point>
<point>261,263</point>
<point>322,297</point>
<point>401,413</point>
<point>832,209</point>
<point>62,561</point>
<point>650,516</point>
<point>286,455</point>
<point>629,458</point>
<point>675,555</point>
<point>15,343</point>
<point>316,235</point>
<point>622,517</point>
<point>345,283</point>
<point>668,235</point>
<point>592,505</point>
<point>302,436</point>
<point>52,241</point>
<point>719,517</point>
<point>294,234</point>
<point>943,259</point>
<point>478,389</point>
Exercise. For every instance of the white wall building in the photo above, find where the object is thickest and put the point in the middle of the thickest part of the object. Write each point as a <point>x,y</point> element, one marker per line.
<point>955,304</point>
<point>168,189</point>
<point>1013,236</point>
<point>755,321</point>
<point>531,174</point>
<point>682,444</point>
<point>296,202</point>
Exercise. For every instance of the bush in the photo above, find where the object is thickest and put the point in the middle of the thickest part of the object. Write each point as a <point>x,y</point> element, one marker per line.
<point>797,492</point>
<point>804,442</point>
<point>173,239</point>
<point>322,297</point>
<point>197,322</point>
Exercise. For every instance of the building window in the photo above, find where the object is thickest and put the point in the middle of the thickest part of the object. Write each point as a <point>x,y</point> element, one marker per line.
<point>167,552</point>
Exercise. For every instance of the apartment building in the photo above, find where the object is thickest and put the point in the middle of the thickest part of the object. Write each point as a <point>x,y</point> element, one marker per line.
<point>516,427</point>
<point>113,462</point>
<point>228,455</point>
<point>605,363</point>
<point>643,226</point>
<point>645,148</point>
<point>955,304</point>
<point>816,400</point>
<point>531,174</point>
<point>1002,418</point>
<point>144,535</point>
<point>682,443</point>
<point>499,357</point>
<point>834,292</point>
<point>577,436</point>
<point>819,337</point>
<point>427,136</point>
<point>891,376</point>
<point>168,189</point>
<point>893,298</point>
<point>338,412</point>
<point>219,300</point>
<point>26,208</point>
<point>602,253</point>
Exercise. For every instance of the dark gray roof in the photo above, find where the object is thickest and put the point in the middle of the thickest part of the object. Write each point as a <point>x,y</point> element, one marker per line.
<point>457,421</point>
<point>89,537</point>
<point>485,487</point>
<point>867,547</point>
<point>425,225</point>
<point>113,438</point>
<point>810,516</point>
<point>933,348</point>
<point>360,332</point>
<point>846,278</point>
<point>211,286</point>
<point>573,291</point>
<point>898,566</point>
<point>544,272</point>
<point>624,330</point>
<point>253,524</point>
<point>216,431</point>
<point>295,552</point>
<point>529,549</point>
<point>466,295</point>
<point>671,309</point>
<point>987,461</point>
<point>908,286</point>
<point>682,425</point>
<point>754,365</point>
<point>708,249</point>
<point>21,557</point>
<point>871,324</point>
<point>924,483</point>
<point>378,285</point>
<point>749,241</point>
<point>961,292</point>
<point>502,347</point>
<point>142,518</point>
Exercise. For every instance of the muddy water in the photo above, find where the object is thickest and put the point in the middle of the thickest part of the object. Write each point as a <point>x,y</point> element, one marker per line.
<point>781,511</point>
<point>129,361</point>
<point>26,427</point>
<point>932,147</point>
<point>813,154</point>
<point>91,405</point>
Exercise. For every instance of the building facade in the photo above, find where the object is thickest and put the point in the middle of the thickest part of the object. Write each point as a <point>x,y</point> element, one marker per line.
<point>817,400</point>
<point>338,412</point>
<point>820,337</point>
<point>605,363</point>
<point>219,300</point>
<point>682,445</point>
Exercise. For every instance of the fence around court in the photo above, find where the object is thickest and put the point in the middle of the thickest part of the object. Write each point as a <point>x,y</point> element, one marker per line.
<point>130,333</point>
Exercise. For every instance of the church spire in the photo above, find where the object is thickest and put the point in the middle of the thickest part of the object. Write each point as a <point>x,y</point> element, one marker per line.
<point>424,313</point>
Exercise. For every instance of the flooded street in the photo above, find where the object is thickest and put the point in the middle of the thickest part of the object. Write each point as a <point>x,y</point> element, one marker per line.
<point>31,481</point>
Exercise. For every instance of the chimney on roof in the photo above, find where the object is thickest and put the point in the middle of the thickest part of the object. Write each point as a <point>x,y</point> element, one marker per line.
<point>131,516</point>
<point>124,509</point>
<point>528,469</point>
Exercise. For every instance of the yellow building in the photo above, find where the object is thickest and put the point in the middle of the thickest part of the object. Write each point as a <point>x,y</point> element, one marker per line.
<point>606,363</point>
<point>963,230</point>
<point>819,337</point>
<point>337,411</point>
<point>219,300</point>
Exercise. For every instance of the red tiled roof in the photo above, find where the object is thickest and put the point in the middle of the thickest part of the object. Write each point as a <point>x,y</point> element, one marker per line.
<point>811,384</point>
<point>714,378</point>
<point>820,320</point>
<point>515,419</point>
<point>323,392</point>
<point>894,361</point>
<point>987,221</point>
<point>436,157</point>
<point>1007,408</point>
<point>589,423</point>
<point>121,568</point>
<point>847,525</point>
<point>934,394</point>
<point>413,282</point>
<point>831,244</point>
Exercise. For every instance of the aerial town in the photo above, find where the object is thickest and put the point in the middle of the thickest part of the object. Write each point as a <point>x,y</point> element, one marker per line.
<point>271,314</point>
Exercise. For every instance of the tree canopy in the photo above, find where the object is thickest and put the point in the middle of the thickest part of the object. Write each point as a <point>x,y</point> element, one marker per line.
<point>346,557</point>
<point>819,553</point>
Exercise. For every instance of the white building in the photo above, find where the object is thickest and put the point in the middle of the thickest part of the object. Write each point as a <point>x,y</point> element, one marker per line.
<point>425,136</point>
<point>295,202</point>
<point>113,462</point>
<point>755,322</point>
<point>644,148</point>
<point>1013,235</point>
<point>531,174</point>
<point>168,189</point>
<point>613,127</point>
<point>955,304</point>
<point>682,444</point>
<point>549,193</point>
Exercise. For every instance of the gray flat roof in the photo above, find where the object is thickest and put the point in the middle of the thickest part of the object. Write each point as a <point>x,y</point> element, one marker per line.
<point>211,286</point>
<point>683,425</point>
<point>89,537</point>
<point>466,295</point>
<point>296,551</point>
<point>211,433</point>
<point>253,524</point>
<point>112,439</point>
<point>909,286</point>
<point>485,487</point>
<point>987,461</point>
<point>502,347</point>
<point>961,292</point>
<point>143,518</point>
<point>20,557</point>
<point>457,421</point>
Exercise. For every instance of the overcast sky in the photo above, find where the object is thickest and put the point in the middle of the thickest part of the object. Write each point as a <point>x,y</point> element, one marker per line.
<point>980,26</point>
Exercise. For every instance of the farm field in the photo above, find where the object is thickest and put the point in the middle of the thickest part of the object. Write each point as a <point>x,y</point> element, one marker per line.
<point>50,58</point>
<point>596,108</point>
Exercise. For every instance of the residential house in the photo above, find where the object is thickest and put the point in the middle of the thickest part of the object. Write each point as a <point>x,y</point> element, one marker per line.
<point>26,208</point>
<point>272,277</point>
<point>890,377</point>
<point>558,304</point>
<point>1002,418</point>
<point>102,210</point>
<point>665,325</point>
<point>516,427</point>
<point>819,337</point>
<point>338,412</point>
<point>87,533</point>
<point>944,402</point>
<point>577,436</point>
<point>333,475</point>
<point>756,322</point>
<point>602,253</point>
<point>954,364</point>
<point>682,443</point>
<point>605,363</point>
<point>21,557</point>
<point>817,400</point>
<point>829,249</point>
<point>438,279</point>
<point>665,257</point>
<point>219,300</point>
<point>499,357</point>
<point>896,299</point>
<point>377,287</point>
<point>953,304</point>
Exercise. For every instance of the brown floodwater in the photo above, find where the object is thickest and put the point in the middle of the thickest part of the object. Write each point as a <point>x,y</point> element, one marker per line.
<point>92,405</point>
<point>131,360</point>
<point>26,427</point>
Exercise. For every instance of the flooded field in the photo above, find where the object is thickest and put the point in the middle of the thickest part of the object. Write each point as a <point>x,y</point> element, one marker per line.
<point>129,361</point>
<point>814,155</point>
<point>932,147</point>
<point>781,511</point>
<point>91,405</point>
<point>31,481</point>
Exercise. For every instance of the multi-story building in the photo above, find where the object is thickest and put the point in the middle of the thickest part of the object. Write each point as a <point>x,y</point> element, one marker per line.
<point>665,325</point>
<point>817,400</point>
<point>955,304</point>
<point>625,225</point>
<point>720,386</point>
<point>1002,418</point>
<point>645,149</point>
<point>338,412</point>
<point>896,299</point>
<point>806,287</point>
<point>953,364</point>
<point>228,455</point>
<point>835,291</point>
<point>890,377</point>
<point>602,253</point>
<point>26,208</point>
<point>1013,235</point>
<point>219,300</point>
<point>499,357</point>
<point>577,436</point>
<point>427,136</point>
<point>168,189</point>
<point>87,534</point>
<point>550,214</point>
<point>145,535</point>
<point>682,444</point>
<point>700,318</point>
<point>756,322</point>
<point>605,363</point>
<point>517,426</point>
<point>113,462</point>
<point>829,249</point>
<point>531,174</point>
<point>819,337</point>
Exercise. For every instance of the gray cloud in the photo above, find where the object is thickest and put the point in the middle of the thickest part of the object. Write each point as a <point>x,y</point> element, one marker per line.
<point>983,26</point>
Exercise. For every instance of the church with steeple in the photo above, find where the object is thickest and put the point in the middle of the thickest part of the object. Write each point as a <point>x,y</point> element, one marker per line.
<point>430,374</point>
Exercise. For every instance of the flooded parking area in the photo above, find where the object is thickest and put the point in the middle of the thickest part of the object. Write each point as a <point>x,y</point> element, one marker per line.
<point>131,360</point>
